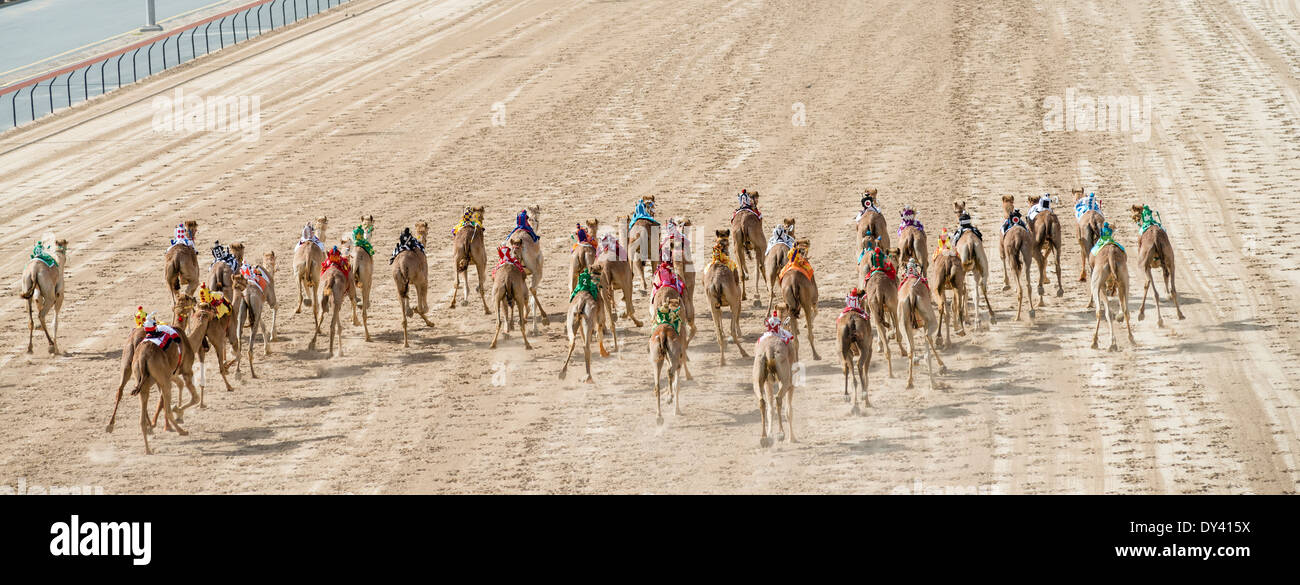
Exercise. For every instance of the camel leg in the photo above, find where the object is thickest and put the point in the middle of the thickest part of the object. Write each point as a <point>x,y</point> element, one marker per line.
<point>482,275</point>
<point>316,308</point>
<point>735,329</point>
<point>929,363</point>
<point>45,310</point>
<point>165,403</point>
<point>1006,281</point>
<point>220,346</point>
<point>763,441</point>
<point>1083,261</point>
<point>898,335</point>
<point>1110,321</point>
<point>30,325</point>
<point>675,385</point>
<point>455,288</point>
<point>1020,296</point>
<point>1096,330</point>
<point>1123,304</point>
<point>864,364</point>
<point>537,303</point>
<point>659,409</point>
<point>717,326</point>
<point>788,388</point>
<point>422,304</point>
<point>145,427</point>
<point>118,402</point>
<point>984,288</point>
<point>812,343</point>
<point>500,319</point>
<point>1056,251</point>
<point>252,336</point>
<point>300,295</point>
<point>586,353</point>
<point>627,301</point>
<point>911,361</point>
<point>564,371</point>
<point>523,321</point>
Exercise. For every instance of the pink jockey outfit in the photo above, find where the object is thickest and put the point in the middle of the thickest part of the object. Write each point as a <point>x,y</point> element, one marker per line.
<point>774,327</point>
<point>664,276</point>
<point>853,303</point>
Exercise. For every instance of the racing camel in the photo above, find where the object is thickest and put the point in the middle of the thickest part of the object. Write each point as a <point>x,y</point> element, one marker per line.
<point>970,248</point>
<point>853,337</point>
<point>43,284</point>
<point>666,345</point>
<point>307,258</point>
<point>746,240</point>
<point>1155,251</point>
<point>411,270</point>
<point>722,287</point>
<point>468,248</point>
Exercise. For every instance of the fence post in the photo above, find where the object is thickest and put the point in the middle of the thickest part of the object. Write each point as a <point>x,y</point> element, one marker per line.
<point>135,76</point>
<point>178,46</point>
<point>103,85</point>
<point>67,87</point>
<point>206,47</point>
<point>31,100</point>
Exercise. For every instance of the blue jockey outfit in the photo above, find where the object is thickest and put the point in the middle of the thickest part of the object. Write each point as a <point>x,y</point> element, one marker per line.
<point>521,223</point>
<point>642,212</point>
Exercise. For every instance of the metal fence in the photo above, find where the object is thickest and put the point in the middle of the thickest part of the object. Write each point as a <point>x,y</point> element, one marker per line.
<point>63,88</point>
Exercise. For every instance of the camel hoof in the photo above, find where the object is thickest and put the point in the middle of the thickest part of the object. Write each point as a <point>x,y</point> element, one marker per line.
<point>1142,315</point>
<point>780,436</point>
<point>757,303</point>
<point>1094,344</point>
<point>1060,292</point>
<point>909,385</point>
<point>765,442</point>
<point>182,432</point>
<point>1006,287</point>
<point>943,369</point>
<point>856,411</point>
<point>659,421</point>
<point>109,429</point>
<point>848,398</point>
<point>1181,317</point>
<point>563,373</point>
<point>589,380</point>
<point>1114,347</point>
<point>1159,323</point>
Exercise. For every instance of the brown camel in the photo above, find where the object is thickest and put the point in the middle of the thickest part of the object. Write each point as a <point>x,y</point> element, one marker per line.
<point>882,306</point>
<point>640,243</point>
<point>1046,227</point>
<point>532,260</point>
<point>683,265</point>
<point>1109,277</point>
<point>583,254</point>
<point>773,386</point>
<point>746,241</point>
<point>181,266</point>
<point>258,295</point>
<point>947,274</point>
<point>775,257</point>
<point>154,365</point>
<point>44,285</point>
<point>970,248</point>
<point>363,272</point>
<point>611,257</point>
<point>307,258</point>
<point>1089,230</point>
<point>916,312</point>
<point>586,315</point>
<point>799,290</point>
<point>207,330</point>
<point>1155,251</point>
<point>335,286</point>
<point>853,336</point>
<point>1018,248</point>
<point>468,248</point>
<point>667,296</point>
<point>871,225</point>
<point>510,290</point>
<point>912,244</point>
<point>722,287</point>
<point>186,370</point>
<point>667,344</point>
<point>411,269</point>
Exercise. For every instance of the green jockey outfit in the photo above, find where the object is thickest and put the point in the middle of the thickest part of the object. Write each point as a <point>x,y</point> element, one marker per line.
<point>1107,237</point>
<point>39,253</point>
<point>671,318</point>
<point>359,240</point>
<point>1150,217</point>
<point>588,283</point>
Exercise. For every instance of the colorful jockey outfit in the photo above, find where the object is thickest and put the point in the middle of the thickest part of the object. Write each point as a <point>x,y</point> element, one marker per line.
<point>360,239</point>
<point>909,220</point>
<point>335,258</point>
<point>868,204</point>
<point>255,276</point>
<point>471,218</point>
<point>719,256</point>
<point>1013,221</point>
<point>309,235</point>
<point>405,242</point>
<point>780,235</point>
<point>39,253</point>
<point>182,236</point>
<point>945,247</point>
<point>1107,238</point>
<point>853,303</point>
<point>665,276</point>
<point>610,243</point>
<point>1150,217</point>
<point>580,237</point>
<point>159,334</point>
<point>913,271</point>
<point>1085,205</point>
<point>586,282</point>
<point>880,263</point>
<point>521,223</point>
<point>507,256</point>
<point>774,326</point>
<point>746,202</point>
<point>963,226</point>
<point>1044,202</point>
<point>216,300</point>
<point>671,318</point>
<point>644,210</point>
<point>797,260</point>
<point>222,254</point>
<point>673,231</point>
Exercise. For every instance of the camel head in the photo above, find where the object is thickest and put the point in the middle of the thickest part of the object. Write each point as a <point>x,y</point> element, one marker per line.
<point>1137,213</point>
<point>1077,192</point>
<point>802,244</point>
<point>237,249</point>
<point>421,230</point>
<point>721,240</point>
<point>894,254</point>
<point>959,207</point>
<point>368,224</point>
<point>595,271</point>
<point>192,227</point>
<point>240,282</point>
<point>476,212</point>
<point>534,216</point>
<point>789,225</point>
<point>753,195</point>
<point>321,223</point>
<point>268,262</point>
<point>782,312</point>
<point>1033,199</point>
<point>61,252</point>
<point>185,305</point>
<point>1008,204</point>
<point>593,226</point>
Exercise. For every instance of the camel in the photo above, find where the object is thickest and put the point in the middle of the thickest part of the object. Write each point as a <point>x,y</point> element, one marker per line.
<point>948,274</point>
<point>871,226</point>
<point>1089,230</point>
<point>799,291</point>
<point>207,330</point>
<point>154,365</point>
<point>611,257</point>
<point>912,244</point>
<point>667,296</point>
<point>586,313</point>
<point>44,285</point>
<point>363,272</point>
<point>666,345</point>
<point>531,258</point>
<point>220,275</point>
<point>1109,277</point>
<point>916,311</point>
<point>181,265</point>
<point>259,294</point>
<point>467,248</point>
<point>882,307</point>
<point>641,236</point>
<point>335,286</point>
<point>583,254</point>
<point>411,269</point>
<point>853,336</point>
<point>970,248</point>
<point>773,363</point>
<point>1018,247</point>
<point>722,287</point>
<point>1046,227</point>
<point>307,258</point>
<point>775,257</point>
<point>509,289</point>
<point>746,241</point>
<point>1155,251</point>
<point>186,370</point>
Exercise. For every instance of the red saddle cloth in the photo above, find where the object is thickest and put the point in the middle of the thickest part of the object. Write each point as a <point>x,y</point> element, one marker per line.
<point>341,263</point>
<point>506,257</point>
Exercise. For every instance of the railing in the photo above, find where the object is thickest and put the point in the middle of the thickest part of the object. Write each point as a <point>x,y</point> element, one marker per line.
<point>105,73</point>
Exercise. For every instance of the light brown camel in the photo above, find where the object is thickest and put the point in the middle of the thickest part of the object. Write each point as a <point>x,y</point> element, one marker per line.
<point>667,296</point>
<point>970,248</point>
<point>185,307</point>
<point>1018,248</point>
<point>221,275</point>
<point>799,290</point>
<point>510,289</point>
<point>882,306</point>
<point>583,254</point>
<point>411,269</point>
<point>335,286</point>
<point>152,366</point>
<point>44,285</point>
<point>773,386</point>
<point>722,287</point>
<point>1156,251</point>
<point>666,344</point>
<point>947,274</point>
<point>1089,231</point>
<point>363,272</point>
<point>258,295</point>
<point>207,330</point>
<point>611,257</point>
<point>775,257</point>
<point>916,312</point>
<point>181,266</point>
<point>912,244</point>
<point>586,316</point>
<point>641,239</point>
<point>746,241</point>
<point>871,225</point>
<point>853,336</point>
<point>307,258</point>
<point>1046,227</point>
<point>468,248</point>
<point>1109,277</point>
<point>677,249</point>
<point>532,260</point>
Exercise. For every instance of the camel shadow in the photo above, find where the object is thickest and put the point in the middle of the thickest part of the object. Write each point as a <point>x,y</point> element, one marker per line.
<point>1009,389</point>
<point>1241,325</point>
<point>268,448</point>
<point>749,417</point>
<point>874,446</point>
<point>945,411</point>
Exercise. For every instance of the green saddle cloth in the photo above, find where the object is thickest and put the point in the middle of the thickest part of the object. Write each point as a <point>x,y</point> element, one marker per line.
<point>671,318</point>
<point>587,283</point>
<point>39,253</point>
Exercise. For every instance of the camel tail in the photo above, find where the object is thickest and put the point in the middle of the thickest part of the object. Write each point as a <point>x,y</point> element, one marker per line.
<point>29,286</point>
<point>462,263</point>
<point>663,345</point>
<point>137,366</point>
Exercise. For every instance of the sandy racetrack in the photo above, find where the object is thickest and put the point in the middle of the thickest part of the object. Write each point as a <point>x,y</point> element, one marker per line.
<point>386,106</point>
